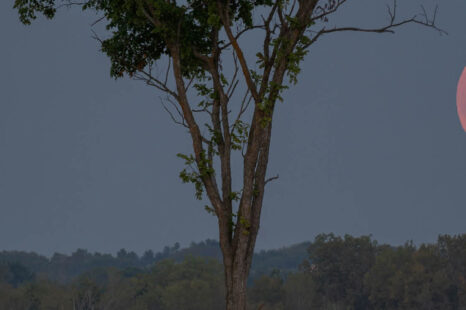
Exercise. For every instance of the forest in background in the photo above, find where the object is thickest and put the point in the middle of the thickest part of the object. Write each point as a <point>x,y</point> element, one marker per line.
<point>332,272</point>
<point>19,267</point>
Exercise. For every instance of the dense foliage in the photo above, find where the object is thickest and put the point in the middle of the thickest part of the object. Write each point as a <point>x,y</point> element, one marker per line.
<point>191,284</point>
<point>340,273</point>
<point>357,273</point>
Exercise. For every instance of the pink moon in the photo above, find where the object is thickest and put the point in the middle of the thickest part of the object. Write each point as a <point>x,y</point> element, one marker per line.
<point>461,99</point>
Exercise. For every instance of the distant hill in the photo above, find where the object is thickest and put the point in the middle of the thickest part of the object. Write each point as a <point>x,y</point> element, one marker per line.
<point>64,268</point>
<point>284,260</point>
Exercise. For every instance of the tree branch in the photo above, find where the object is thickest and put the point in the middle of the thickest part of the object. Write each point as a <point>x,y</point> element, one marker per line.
<point>271,179</point>
<point>174,119</point>
<point>224,16</point>
<point>389,28</point>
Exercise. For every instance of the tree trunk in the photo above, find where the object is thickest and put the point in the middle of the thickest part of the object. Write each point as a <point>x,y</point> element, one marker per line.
<point>236,281</point>
<point>237,264</point>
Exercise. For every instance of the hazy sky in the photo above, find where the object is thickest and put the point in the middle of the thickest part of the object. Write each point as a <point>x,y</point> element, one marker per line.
<point>368,142</point>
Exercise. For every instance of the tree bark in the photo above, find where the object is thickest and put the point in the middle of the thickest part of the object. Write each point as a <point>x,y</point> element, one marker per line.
<point>236,276</point>
<point>236,298</point>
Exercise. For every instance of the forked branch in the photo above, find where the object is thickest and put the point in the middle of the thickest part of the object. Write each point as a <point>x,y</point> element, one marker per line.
<point>389,28</point>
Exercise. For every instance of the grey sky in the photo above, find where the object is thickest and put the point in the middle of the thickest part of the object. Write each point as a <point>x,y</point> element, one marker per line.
<point>368,142</point>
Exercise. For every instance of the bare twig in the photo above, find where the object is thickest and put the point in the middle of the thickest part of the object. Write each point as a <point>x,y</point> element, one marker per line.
<point>243,108</point>
<point>238,35</point>
<point>153,81</point>
<point>324,11</point>
<point>272,179</point>
<point>390,28</point>
<point>234,81</point>
<point>181,121</point>
<point>97,21</point>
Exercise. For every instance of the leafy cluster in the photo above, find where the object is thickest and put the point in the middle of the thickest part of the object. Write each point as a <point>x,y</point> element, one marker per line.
<point>142,30</point>
<point>192,175</point>
<point>28,9</point>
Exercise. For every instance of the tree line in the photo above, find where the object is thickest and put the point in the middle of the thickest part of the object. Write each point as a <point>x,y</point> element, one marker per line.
<point>19,266</point>
<point>358,273</point>
<point>337,273</point>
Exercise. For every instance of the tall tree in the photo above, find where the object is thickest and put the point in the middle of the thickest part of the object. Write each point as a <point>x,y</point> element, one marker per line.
<point>201,43</point>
